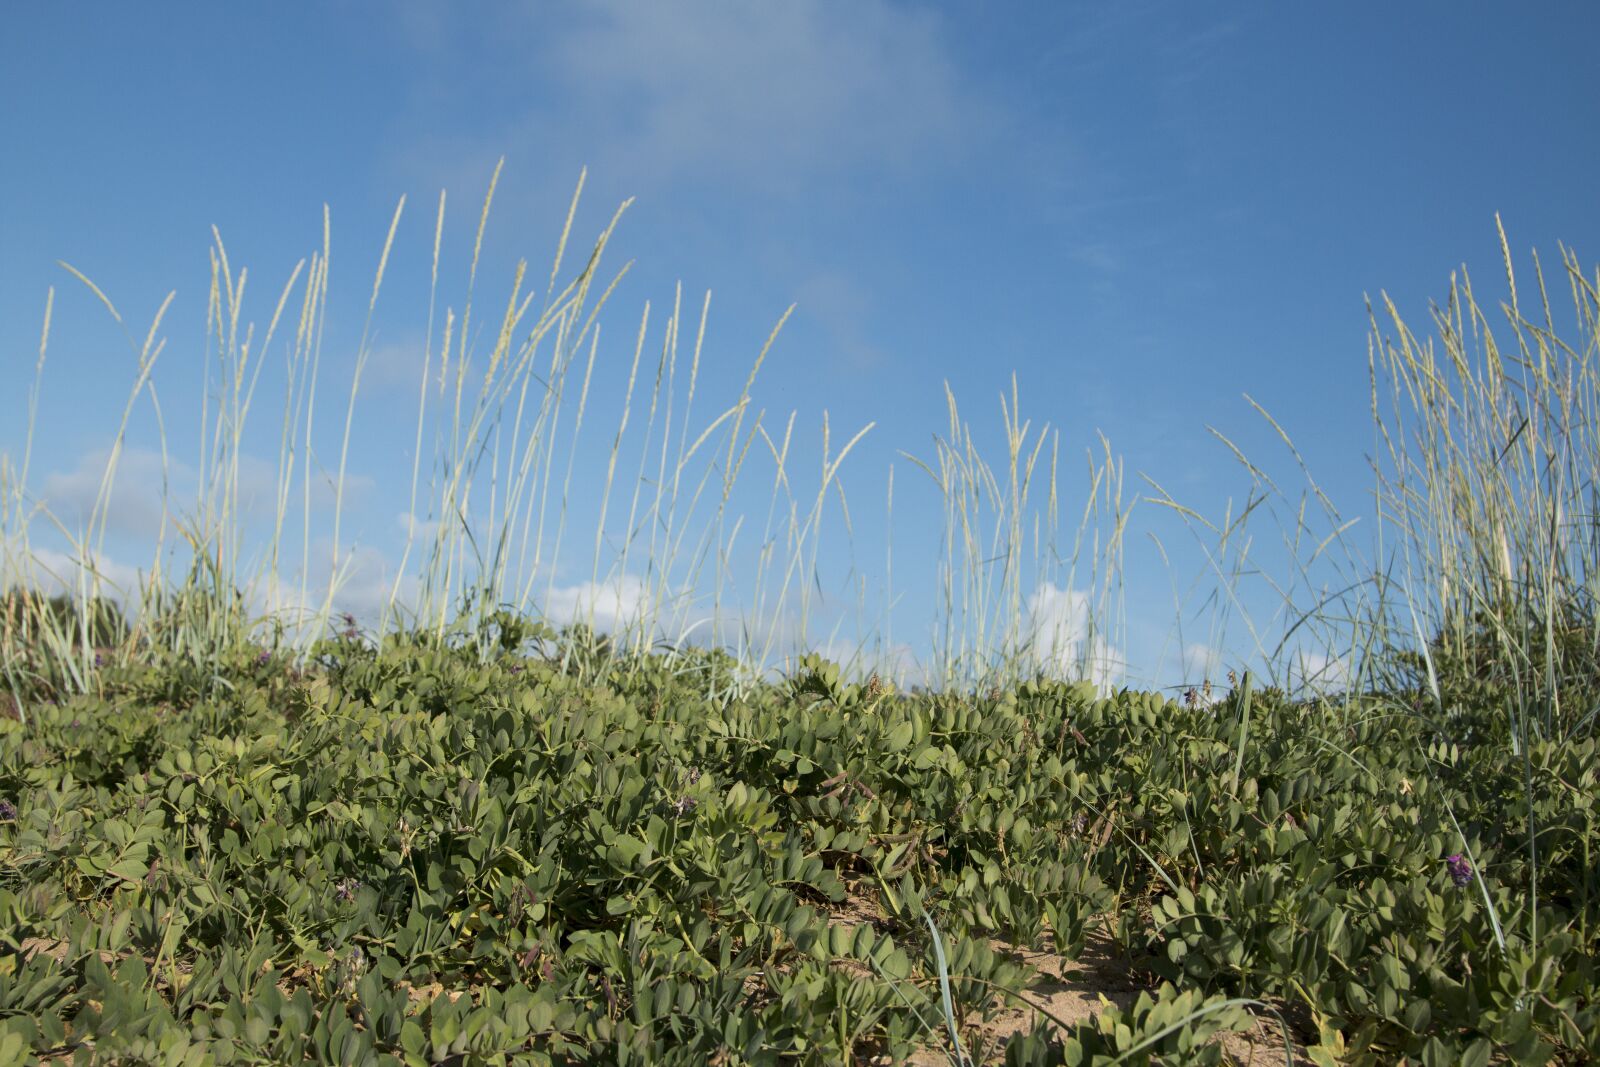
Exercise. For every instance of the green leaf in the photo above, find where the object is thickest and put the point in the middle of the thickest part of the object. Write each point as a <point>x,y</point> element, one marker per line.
<point>132,871</point>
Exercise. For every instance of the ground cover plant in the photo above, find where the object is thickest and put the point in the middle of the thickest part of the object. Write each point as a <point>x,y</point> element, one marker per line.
<point>231,833</point>
<point>404,852</point>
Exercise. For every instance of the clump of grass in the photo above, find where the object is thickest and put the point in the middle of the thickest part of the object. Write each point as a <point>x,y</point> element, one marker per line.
<point>1002,547</point>
<point>1486,487</point>
<point>1484,545</point>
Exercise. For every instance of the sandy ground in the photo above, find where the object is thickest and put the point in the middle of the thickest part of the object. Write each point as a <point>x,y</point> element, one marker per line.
<point>1072,990</point>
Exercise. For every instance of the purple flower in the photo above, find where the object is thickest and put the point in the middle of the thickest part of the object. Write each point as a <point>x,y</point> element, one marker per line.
<point>264,659</point>
<point>1460,869</point>
<point>345,890</point>
<point>8,811</point>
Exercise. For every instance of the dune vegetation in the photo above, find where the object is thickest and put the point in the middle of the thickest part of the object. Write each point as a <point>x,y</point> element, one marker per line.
<point>240,825</point>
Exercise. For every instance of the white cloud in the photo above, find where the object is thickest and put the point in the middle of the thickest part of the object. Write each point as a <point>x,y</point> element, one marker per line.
<point>280,599</point>
<point>1201,663</point>
<point>366,584</point>
<point>1318,672</point>
<point>365,589</point>
<point>898,663</point>
<point>1062,638</point>
<point>608,605</point>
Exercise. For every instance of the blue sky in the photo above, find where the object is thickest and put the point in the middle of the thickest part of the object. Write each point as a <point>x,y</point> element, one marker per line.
<point>1142,210</point>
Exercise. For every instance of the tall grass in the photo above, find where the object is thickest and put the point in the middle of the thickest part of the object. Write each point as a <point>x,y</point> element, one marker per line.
<point>1003,553</point>
<point>1485,527</point>
<point>499,437</point>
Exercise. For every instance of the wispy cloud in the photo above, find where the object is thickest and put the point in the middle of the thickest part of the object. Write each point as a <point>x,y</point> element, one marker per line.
<point>397,366</point>
<point>145,487</point>
<point>842,308</point>
<point>757,96</point>
<point>61,572</point>
<point>135,504</point>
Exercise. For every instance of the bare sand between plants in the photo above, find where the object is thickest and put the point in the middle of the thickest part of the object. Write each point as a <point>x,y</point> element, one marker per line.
<point>1072,991</point>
